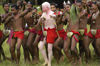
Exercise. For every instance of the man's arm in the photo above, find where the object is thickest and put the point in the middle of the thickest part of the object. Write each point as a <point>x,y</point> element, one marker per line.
<point>8,19</point>
<point>25,12</point>
<point>39,24</point>
<point>3,18</point>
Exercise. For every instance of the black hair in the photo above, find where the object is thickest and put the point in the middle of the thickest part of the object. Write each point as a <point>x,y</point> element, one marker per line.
<point>5,4</point>
<point>35,8</point>
<point>29,2</point>
<point>15,6</point>
<point>54,4</point>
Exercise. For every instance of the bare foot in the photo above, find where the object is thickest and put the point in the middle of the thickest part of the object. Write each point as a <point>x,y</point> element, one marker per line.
<point>45,64</point>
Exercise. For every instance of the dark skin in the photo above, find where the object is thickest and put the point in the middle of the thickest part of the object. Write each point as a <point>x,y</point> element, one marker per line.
<point>96,43</point>
<point>17,24</point>
<point>75,27</point>
<point>59,41</point>
<point>94,24</point>
<point>68,40</point>
<point>83,43</point>
<point>2,18</point>
<point>31,21</point>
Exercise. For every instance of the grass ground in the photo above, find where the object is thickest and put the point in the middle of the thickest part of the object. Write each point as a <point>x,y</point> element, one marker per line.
<point>94,62</point>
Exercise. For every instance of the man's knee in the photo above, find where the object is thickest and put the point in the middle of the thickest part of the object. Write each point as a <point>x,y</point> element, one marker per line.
<point>40,46</point>
<point>49,48</point>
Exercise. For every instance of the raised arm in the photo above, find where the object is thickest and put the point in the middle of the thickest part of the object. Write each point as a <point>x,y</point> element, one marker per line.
<point>25,12</point>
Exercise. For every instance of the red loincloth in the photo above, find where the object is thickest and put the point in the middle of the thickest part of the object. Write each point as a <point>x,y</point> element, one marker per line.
<point>75,32</point>
<point>97,34</point>
<point>39,32</point>
<point>32,30</point>
<point>74,35</point>
<point>19,34</point>
<point>1,34</point>
<point>41,35</point>
<point>90,35</point>
<point>51,35</point>
<point>85,32</point>
<point>62,34</point>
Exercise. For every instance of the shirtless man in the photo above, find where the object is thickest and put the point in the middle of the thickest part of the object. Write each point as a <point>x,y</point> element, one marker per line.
<point>94,34</point>
<point>58,55</point>
<point>2,35</point>
<point>17,32</point>
<point>31,21</point>
<point>83,13</point>
<point>68,30</point>
<point>73,33</point>
<point>49,25</point>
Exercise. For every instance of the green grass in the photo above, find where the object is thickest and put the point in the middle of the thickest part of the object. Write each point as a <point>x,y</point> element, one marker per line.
<point>94,62</point>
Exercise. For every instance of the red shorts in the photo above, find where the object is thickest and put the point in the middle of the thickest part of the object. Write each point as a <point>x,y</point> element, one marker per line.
<point>74,35</point>
<point>62,34</point>
<point>90,35</point>
<point>97,34</point>
<point>32,30</point>
<point>1,34</point>
<point>85,32</point>
<point>19,34</point>
<point>51,35</point>
<point>75,32</point>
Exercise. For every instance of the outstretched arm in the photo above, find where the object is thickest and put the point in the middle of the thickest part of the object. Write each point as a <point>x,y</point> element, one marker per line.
<point>8,19</point>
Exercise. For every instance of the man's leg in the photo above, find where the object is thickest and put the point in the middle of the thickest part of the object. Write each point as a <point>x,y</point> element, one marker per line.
<point>29,44</point>
<point>67,44</point>
<point>36,49</point>
<point>86,44</point>
<point>98,46</point>
<point>57,49</point>
<point>74,48</point>
<point>42,50</point>
<point>25,49</point>
<point>19,41</point>
<point>50,53</point>
<point>12,49</point>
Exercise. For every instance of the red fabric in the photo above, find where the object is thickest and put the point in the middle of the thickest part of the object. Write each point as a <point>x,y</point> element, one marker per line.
<point>75,38</point>
<point>62,34</point>
<point>19,34</point>
<point>85,32</point>
<point>40,32</point>
<point>89,15</point>
<point>74,35</point>
<point>51,35</point>
<point>75,32</point>
<point>58,13</point>
<point>32,30</point>
<point>90,34</point>
<point>1,34</point>
<point>97,34</point>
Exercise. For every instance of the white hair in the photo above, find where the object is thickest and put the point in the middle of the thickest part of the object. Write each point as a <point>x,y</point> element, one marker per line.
<point>47,4</point>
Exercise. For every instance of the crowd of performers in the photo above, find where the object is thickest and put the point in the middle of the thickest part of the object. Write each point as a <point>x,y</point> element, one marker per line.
<point>24,25</point>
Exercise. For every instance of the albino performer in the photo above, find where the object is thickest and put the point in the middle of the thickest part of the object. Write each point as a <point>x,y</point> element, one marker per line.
<point>49,27</point>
